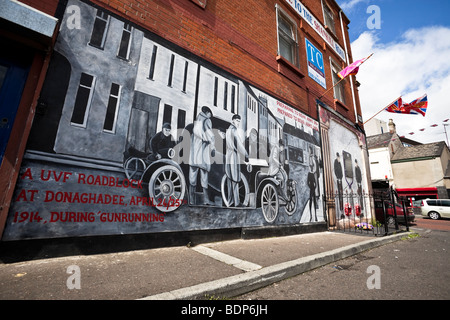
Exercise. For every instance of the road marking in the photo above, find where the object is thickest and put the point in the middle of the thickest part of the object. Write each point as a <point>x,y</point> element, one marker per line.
<point>225,258</point>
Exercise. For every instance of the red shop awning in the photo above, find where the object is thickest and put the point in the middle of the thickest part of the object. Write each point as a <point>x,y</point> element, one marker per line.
<point>414,192</point>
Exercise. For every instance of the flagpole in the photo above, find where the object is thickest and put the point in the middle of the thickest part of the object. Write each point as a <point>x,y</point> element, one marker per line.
<point>331,88</point>
<point>445,130</point>
<point>384,108</point>
<point>343,78</point>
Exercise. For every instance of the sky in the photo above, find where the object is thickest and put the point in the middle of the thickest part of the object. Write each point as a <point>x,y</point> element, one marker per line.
<point>411,57</point>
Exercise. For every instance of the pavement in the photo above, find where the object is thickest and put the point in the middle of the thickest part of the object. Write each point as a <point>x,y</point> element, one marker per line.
<point>205,271</point>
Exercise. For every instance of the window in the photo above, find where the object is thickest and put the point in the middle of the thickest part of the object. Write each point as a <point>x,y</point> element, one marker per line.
<point>152,63</point>
<point>167,114</point>
<point>287,39</point>
<point>233,97</point>
<point>181,119</point>
<point>339,88</point>
<point>111,111</point>
<point>329,18</point>
<point>216,87</point>
<point>186,68</point>
<point>445,203</point>
<point>124,47</point>
<point>225,96</point>
<point>172,63</point>
<point>98,35</point>
<point>83,100</point>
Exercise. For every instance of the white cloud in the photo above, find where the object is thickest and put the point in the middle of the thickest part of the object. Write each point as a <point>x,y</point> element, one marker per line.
<point>350,4</point>
<point>417,64</point>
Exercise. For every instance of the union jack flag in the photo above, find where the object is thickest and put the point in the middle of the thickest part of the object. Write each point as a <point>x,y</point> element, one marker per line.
<point>418,106</point>
<point>395,106</point>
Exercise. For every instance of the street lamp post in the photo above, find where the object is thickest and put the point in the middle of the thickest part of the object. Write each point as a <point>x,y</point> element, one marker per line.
<point>445,130</point>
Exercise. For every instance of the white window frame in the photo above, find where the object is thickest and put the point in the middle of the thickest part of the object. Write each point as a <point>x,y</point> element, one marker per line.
<point>294,46</point>
<point>328,14</point>
<point>335,69</point>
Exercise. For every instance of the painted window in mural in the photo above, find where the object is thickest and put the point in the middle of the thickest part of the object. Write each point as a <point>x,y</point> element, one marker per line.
<point>83,100</point>
<point>193,147</point>
<point>172,61</point>
<point>186,68</point>
<point>111,111</point>
<point>99,30</point>
<point>124,47</point>
<point>153,61</point>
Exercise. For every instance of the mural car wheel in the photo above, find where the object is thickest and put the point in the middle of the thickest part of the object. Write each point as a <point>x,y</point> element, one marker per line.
<point>134,168</point>
<point>291,204</point>
<point>269,202</point>
<point>243,191</point>
<point>167,187</point>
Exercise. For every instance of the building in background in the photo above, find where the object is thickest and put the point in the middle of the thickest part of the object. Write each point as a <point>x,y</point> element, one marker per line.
<point>422,171</point>
<point>416,171</point>
<point>375,127</point>
<point>382,146</point>
<point>119,73</point>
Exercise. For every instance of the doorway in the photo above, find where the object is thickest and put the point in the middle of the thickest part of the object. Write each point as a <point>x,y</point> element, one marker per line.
<point>13,75</point>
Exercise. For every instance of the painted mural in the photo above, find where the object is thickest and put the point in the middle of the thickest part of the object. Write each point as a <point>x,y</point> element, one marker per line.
<point>349,177</point>
<point>133,134</point>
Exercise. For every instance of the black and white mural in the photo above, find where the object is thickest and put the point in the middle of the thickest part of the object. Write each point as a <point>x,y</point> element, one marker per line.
<point>133,134</point>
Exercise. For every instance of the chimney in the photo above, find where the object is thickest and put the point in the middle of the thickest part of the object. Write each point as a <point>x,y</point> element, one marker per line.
<point>391,126</point>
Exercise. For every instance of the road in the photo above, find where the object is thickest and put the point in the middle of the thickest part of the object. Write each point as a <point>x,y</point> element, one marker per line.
<point>427,223</point>
<point>413,268</point>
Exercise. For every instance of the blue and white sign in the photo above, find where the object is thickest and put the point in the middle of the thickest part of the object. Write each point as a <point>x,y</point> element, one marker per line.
<point>316,68</point>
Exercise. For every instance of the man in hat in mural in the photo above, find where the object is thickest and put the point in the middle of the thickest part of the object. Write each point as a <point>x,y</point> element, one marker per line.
<point>235,147</point>
<point>358,177</point>
<point>311,181</point>
<point>339,174</point>
<point>202,147</point>
<point>161,143</point>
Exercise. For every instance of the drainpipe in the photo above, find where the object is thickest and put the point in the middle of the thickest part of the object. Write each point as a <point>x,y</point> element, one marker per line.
<point>366,153</point>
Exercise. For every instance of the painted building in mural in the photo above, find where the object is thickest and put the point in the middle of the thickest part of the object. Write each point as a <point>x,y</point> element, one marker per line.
<point>138,132</point>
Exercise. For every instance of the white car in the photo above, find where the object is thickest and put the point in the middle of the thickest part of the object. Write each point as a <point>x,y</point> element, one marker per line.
<point>435,208</point>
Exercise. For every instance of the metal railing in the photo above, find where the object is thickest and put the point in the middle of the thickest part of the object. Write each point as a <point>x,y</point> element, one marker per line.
<point>378,214</point>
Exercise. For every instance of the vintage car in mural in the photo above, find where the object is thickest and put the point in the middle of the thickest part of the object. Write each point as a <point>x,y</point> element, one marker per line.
<point>167,182</point>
